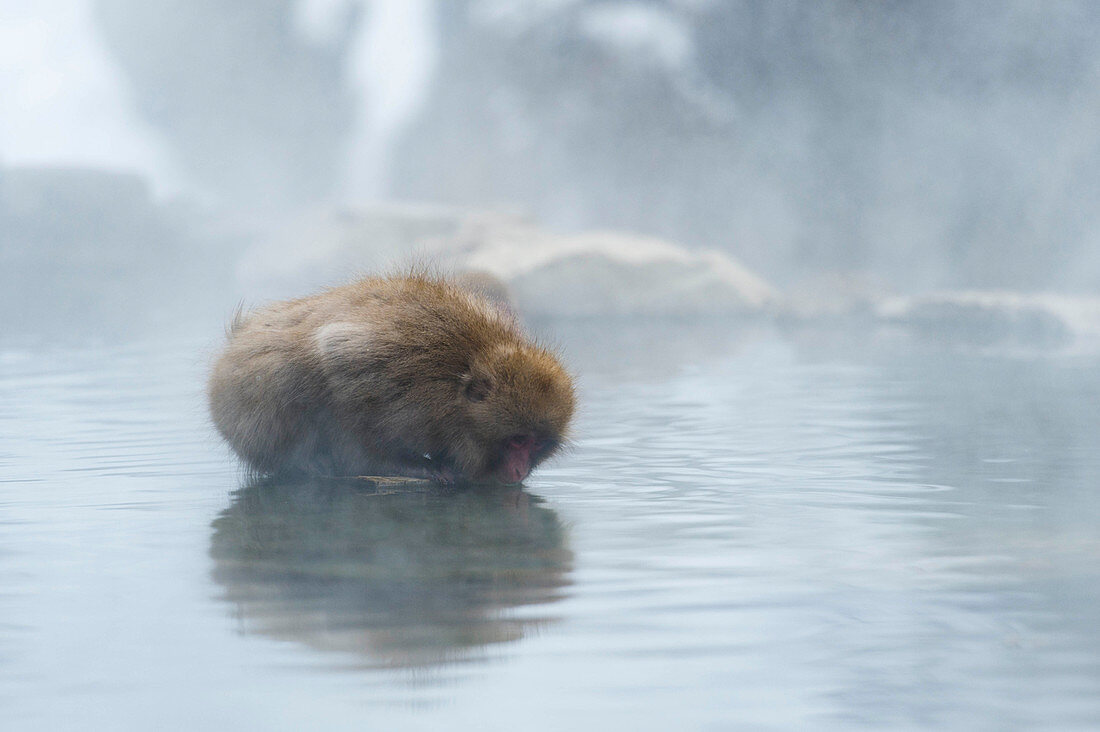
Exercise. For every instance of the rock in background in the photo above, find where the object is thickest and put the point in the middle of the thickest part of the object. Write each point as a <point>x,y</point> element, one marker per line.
<point>606,274</point>
<point>990,318</point>
<point>596,274</point>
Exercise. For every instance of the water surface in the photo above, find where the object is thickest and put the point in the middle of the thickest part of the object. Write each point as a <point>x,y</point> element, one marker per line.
<point>754,529</point>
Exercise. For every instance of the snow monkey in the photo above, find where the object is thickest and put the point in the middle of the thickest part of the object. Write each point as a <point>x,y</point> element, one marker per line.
<point>405,375</point>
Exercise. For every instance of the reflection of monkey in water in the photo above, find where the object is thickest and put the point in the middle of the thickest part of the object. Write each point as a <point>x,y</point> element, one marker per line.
<point>410,375</point>
<point>405,575</point>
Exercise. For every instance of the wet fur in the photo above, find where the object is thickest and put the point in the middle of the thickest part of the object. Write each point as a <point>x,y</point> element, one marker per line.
<point>408,375</point>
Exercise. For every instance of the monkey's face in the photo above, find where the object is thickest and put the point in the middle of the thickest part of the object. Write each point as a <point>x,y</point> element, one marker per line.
<point>519,403</point>
<point>519,454</point>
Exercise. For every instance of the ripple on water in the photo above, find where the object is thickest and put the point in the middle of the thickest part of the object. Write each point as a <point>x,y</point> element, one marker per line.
<point>765,536</point>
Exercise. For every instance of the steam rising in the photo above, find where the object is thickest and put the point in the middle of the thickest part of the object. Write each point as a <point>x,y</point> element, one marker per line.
<point>896,147</point>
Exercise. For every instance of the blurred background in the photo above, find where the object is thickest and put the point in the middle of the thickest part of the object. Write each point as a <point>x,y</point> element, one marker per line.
<point>835,149</point>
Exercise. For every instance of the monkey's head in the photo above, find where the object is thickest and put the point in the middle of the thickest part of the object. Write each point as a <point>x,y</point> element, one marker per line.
<point>518,400</point>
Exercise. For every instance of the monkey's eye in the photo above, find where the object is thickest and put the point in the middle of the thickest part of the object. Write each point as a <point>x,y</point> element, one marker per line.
<point>477,389</point>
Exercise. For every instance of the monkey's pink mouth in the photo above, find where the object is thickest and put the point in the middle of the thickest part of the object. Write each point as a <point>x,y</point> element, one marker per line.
<point>519,452</point>
<point>514,470</point>
<point>512,475</point>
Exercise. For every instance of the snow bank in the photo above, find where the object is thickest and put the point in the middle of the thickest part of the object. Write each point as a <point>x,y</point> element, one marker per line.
<point>583,275</point>
<point>988,318</point>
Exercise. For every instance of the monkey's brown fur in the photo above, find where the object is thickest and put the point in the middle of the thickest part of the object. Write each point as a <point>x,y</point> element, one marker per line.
<point>407,375</point>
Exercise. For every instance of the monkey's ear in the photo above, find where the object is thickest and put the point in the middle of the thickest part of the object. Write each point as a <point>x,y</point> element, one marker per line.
<point>476,388</point>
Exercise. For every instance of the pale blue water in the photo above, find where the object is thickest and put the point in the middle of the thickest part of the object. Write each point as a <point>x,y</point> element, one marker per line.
<point>753,530</point>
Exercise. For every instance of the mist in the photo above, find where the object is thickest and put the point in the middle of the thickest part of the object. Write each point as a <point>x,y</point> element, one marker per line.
<point>907,148</point>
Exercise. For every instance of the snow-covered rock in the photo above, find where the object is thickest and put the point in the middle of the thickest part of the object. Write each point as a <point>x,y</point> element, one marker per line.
<point>582,275</point>
<point>606,273</point>
<point>992,317</point>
